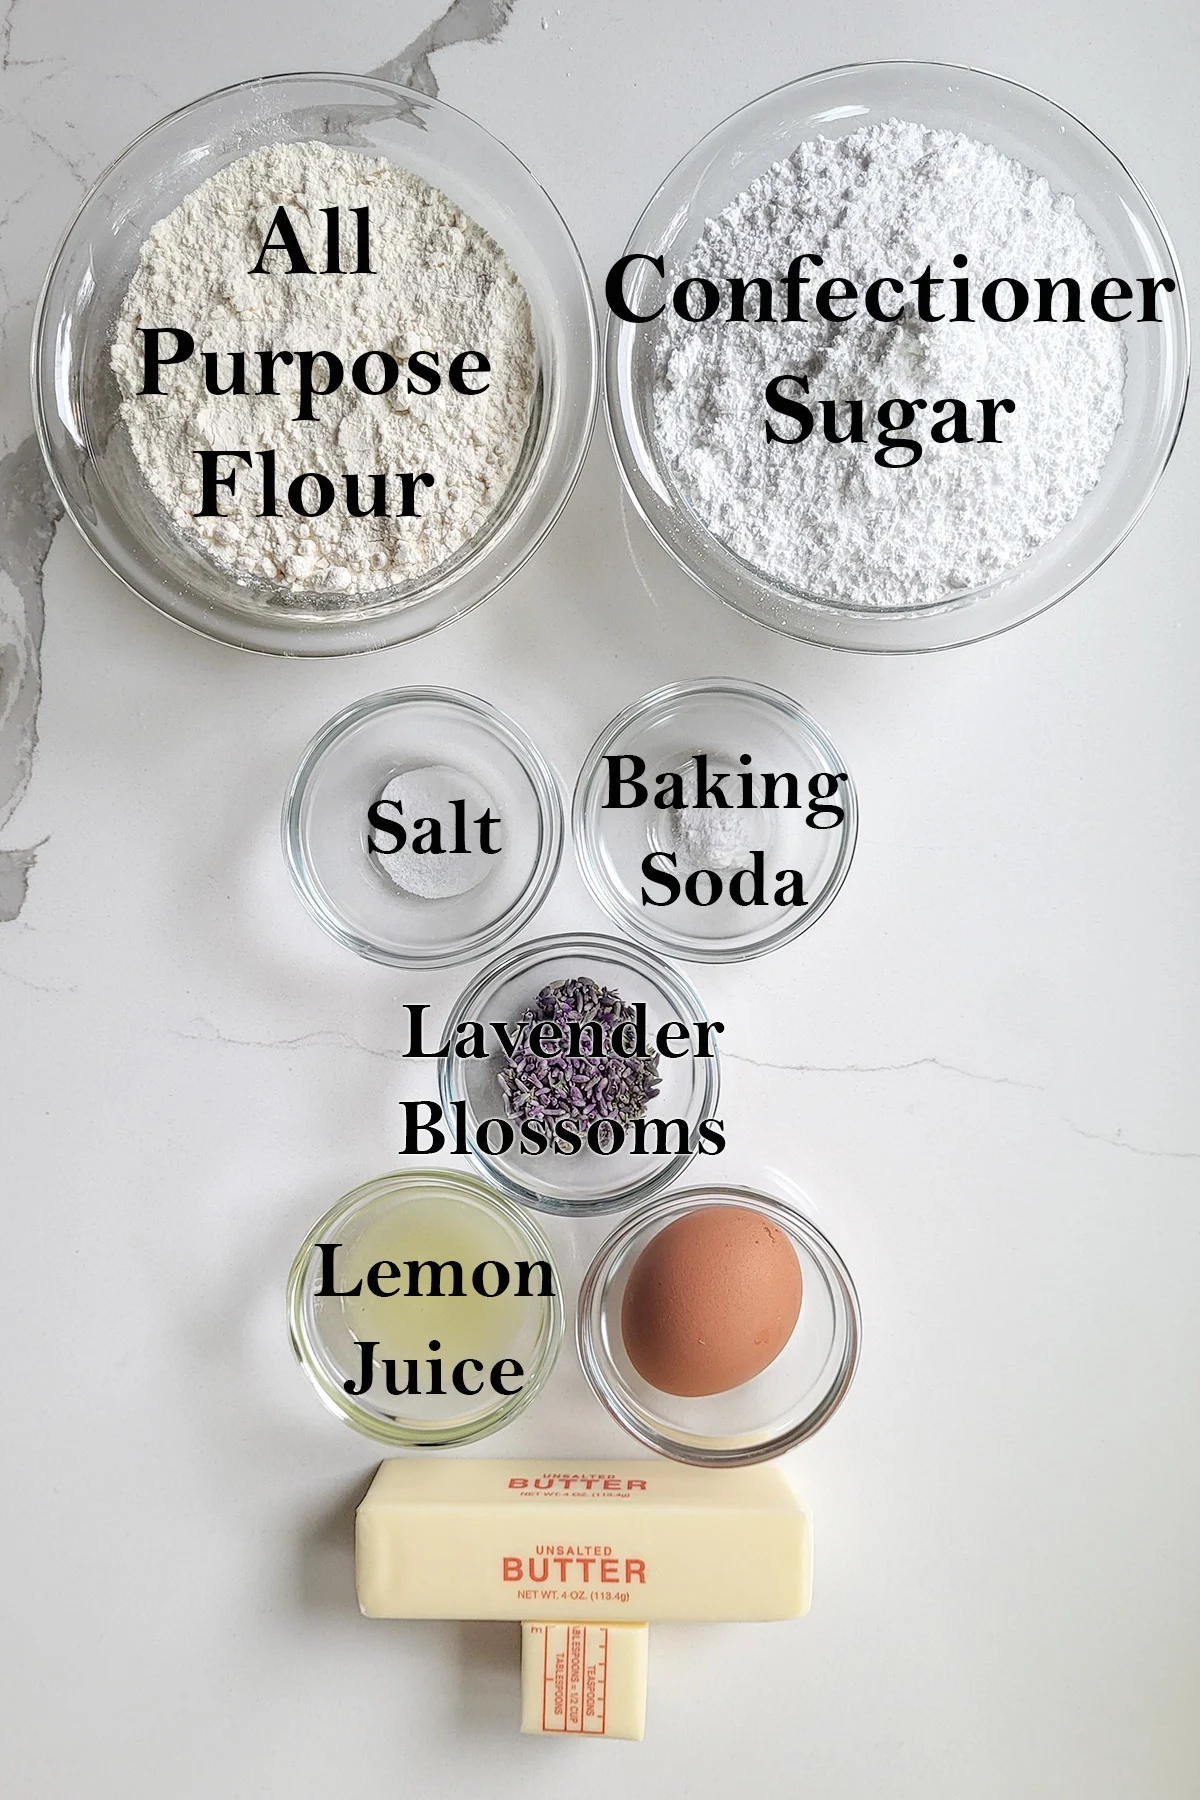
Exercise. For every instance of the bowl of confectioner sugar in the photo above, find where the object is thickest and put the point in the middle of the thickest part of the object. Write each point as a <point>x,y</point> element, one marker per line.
<point>315,366</point>
<point>895,357</point>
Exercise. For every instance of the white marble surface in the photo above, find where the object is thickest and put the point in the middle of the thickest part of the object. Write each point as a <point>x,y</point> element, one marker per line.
<point>980,1065</point>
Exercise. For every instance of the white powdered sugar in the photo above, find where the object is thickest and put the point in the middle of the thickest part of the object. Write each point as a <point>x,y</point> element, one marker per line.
<point>439,283</point>
<point>889,200</point>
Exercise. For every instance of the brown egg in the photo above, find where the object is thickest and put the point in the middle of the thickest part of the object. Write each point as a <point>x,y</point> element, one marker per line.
<point>711,1301</point>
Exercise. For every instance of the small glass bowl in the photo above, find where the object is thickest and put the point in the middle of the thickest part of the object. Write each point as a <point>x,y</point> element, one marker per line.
<point>326,831</point>
<point>76,404</point>
<point>588,1182</point>
<point>1025,126</point>
<point>724,719</point>
<point>323,1333</point>
<point>791,1399</point>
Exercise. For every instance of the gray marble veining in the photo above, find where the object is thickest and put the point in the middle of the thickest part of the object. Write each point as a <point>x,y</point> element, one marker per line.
<point>463,22</point>
<point>29,513</point>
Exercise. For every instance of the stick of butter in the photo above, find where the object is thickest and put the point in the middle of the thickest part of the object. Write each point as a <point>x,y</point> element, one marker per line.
<point>467,1539</point>
<point>583,1554</point>
<point>585,1680</point>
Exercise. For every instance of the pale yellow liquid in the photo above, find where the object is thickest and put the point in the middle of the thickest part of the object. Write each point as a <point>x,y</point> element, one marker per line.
<point>439,1230</point>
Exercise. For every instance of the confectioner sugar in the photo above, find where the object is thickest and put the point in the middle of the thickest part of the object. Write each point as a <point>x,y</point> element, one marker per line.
<point>890,199</point>
<point>439,282</point>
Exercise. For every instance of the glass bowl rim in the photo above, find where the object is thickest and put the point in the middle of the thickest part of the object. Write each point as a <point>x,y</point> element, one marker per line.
<point>341,1404</point>
<point>812,609</point>
<point>584,830</point>
<point>515,739</point>
<point>677,1204</point>
<point>308,637</point>
<point>651,967</point>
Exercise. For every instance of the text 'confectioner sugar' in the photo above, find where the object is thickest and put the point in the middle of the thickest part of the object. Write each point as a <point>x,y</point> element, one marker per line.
<point>326,368</point>
<point>955,497</point>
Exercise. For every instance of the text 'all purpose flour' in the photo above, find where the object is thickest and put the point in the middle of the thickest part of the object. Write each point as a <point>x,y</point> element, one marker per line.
<point>327,370</point>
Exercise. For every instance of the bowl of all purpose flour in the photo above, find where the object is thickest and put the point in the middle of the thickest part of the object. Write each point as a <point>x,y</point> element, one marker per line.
<point>315,367</point>
<point>895,357</point>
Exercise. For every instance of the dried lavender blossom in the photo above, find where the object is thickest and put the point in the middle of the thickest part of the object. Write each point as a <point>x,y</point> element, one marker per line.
<point>591,1079</point>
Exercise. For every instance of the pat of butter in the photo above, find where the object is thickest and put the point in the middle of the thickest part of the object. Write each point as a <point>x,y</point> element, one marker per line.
<point>584,1680</point>
<point>475,1539</point>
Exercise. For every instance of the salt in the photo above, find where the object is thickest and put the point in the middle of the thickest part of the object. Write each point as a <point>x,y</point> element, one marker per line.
<point>425,795</point>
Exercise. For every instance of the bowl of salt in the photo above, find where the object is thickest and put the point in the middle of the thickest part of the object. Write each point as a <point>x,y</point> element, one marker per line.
<point>419,856</point>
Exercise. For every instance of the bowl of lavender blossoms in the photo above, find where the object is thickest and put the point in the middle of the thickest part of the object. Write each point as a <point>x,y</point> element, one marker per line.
<point>581,1074</point>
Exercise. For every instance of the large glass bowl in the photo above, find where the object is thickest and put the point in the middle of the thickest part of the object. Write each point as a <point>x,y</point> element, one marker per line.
<point>1023,125</point>
<point>76,400</point>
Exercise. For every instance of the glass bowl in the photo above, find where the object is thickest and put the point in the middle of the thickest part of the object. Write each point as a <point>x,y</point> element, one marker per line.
<point>589,1181</point>
<point>75,397</point>
<point>1023,125</point>
<point>723,720</point>
<point>446,1218</point>
<point>337,855</point>
<point>790,1400</point>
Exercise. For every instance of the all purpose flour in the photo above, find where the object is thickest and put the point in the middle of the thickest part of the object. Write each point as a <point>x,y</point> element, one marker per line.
<point>439,284</point>
<point>827,519</point>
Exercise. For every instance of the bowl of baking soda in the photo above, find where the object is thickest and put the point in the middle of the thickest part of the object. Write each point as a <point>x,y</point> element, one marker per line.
<point>895,357</point>
<point>714,820</point>
<point>314,368</point>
